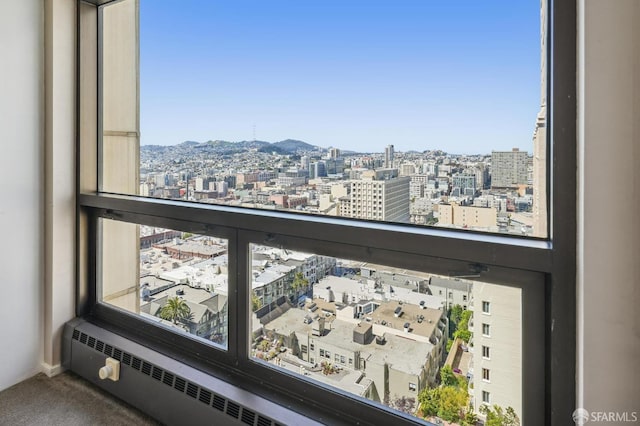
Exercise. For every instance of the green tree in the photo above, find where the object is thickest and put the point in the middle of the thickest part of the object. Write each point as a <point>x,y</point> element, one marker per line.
<point>327,368</point>
<point>462,334</point>
<point>455,314</point>
<point>429,400</point>
<point>264,345</point>
<point>453,403</point>
<point>449,344</point>
<point>497,416</point>
<point>470,419</point>
<point>299,282</point>
<point>447,378</point>
<point>256,303</point>
<point>464,320</point>
<point>175,310</point>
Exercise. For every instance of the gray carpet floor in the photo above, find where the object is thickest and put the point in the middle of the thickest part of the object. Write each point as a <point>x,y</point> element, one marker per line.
<point>65,400</point>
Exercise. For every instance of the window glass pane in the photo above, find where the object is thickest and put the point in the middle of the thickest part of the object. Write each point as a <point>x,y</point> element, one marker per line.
<point>414,112</point>
<point>403,342</point>
<point>172,278</point>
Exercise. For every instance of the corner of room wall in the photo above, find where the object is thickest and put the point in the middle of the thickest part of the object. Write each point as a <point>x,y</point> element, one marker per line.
<point>608,203</point>
<point>21,206</point>
<point>60,180</point>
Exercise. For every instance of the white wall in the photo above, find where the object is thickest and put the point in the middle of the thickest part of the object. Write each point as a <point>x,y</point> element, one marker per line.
<point>609,219</point>
<point>21,186</point>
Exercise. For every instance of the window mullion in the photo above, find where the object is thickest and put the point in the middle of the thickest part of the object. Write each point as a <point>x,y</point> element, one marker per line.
<point>483,249</point>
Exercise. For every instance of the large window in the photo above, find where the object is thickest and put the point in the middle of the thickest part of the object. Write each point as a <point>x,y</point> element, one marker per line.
<point>414,113</point>
<point>318,200</point>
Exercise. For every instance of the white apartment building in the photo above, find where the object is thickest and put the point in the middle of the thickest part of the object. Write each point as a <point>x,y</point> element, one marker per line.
<point>454,291</point>
<point>497,346</point>
<point>386,200</point>
<point>416,189</point>
<point>496,342</point>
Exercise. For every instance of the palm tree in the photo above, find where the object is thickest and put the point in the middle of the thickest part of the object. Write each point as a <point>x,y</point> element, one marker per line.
<point>175,310</point>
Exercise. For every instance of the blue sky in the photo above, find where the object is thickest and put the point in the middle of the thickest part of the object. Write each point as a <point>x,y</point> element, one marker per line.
<point>462,76</point>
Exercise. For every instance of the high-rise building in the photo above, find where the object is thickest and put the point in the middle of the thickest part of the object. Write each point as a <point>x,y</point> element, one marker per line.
<point>416,189</point>
<point>334,166</point>
<point>497,341</point>
<point>304,162</point>
<point>540,138</point>
<point>202,183</point>
<point>465,182</point>
<point>509,168</point>
<point>334,153</point>
<point>407,169</point>
<point>388,157</point>
<point>380,196</point>
<point>317,169</point>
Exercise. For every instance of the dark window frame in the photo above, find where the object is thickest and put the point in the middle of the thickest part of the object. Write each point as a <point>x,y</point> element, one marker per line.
<point>553,257</point>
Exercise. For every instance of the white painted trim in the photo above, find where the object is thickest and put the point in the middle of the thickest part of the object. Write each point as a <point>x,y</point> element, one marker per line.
<point>51,370</point>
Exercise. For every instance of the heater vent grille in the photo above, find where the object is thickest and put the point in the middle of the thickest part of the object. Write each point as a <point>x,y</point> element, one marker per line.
<point>248,417</point>
<point>168,379</point>
<point>203,395</point>
<point>157,373</point>
<point>263,421</point>
<point>180,385</point>
<point>233,409</point>
<point>218,402</point>
<point>192,390</point>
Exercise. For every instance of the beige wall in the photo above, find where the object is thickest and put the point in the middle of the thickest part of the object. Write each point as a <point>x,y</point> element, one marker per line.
<point>474,217</point>
<point>121,123</point>
<point>609,250</point>
<point>121,151</point>
<point>467,216</point>
<point>60,179</point>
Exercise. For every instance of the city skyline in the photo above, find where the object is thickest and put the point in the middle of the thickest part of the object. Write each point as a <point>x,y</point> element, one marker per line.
<point>422,76</point>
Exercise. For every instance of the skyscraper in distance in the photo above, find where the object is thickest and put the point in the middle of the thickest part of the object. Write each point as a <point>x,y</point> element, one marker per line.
<point>388,157</point>
<point>540,138</point>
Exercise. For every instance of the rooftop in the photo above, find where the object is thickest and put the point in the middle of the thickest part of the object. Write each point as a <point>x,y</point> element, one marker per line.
<point>189,294</point>
<point>385,315</point>
<point>404,354</point>
<point>451,283</point>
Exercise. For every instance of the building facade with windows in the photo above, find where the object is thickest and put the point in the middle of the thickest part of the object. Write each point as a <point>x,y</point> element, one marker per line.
<point>379,196</point>
<point>496,343</point>
<point>509,168</point>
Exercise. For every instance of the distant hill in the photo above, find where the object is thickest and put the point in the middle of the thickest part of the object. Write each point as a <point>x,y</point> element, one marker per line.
<point>271,148</point>
<point>288,146</point>
<point>241,145</point>
<point>292,145</point>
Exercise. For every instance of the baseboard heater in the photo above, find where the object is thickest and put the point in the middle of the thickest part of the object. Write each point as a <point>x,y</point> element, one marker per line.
<point>167,390</point>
